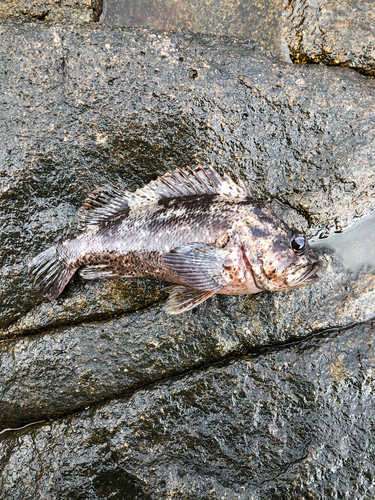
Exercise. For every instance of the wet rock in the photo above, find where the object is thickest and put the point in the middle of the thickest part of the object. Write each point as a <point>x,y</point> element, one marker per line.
<point>69,368</point>
<point>340,298</point>
<point>65,369</point>
<point>243,19</point>
<point>68,11</point>
<point>331,32</point>
<point>120,106</point>
<point>295,422</point>
<point>88,106</point>
<point>84,302</point>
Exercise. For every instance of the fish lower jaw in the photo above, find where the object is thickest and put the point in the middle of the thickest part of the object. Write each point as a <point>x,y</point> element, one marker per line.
<point>304,276</point>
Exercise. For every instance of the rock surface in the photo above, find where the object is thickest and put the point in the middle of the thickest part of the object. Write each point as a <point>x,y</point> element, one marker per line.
<point>68,368</point>
<point>87,106</point>
<point>295,422</point>
<point>332,32</point>
<point>68,11</point>
<point>259,20</point>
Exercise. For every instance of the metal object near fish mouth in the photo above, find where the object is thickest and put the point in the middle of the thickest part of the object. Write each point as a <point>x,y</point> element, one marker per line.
<point>194,228</point>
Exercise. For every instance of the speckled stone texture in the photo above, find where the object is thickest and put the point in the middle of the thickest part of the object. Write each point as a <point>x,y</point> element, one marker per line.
<point>86,106</point>
<point>67,11</point>
<point>334,32</point>
<point>295,422</point>
<point>243,19</point>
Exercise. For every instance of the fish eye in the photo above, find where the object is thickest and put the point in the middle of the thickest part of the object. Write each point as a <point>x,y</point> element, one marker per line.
<point>299,244</point>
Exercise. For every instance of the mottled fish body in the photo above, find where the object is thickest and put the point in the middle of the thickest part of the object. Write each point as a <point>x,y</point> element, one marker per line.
<point>193,228</point>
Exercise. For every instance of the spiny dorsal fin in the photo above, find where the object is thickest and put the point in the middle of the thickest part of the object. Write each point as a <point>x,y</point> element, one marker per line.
<point>110,200</point>
<point>201,180</point>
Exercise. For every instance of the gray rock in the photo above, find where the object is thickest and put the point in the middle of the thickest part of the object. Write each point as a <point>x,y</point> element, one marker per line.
<point>330,32</point>
<point>295,422</point>
<point>88,106</point>
<point>64,369</point>
<point>67,11</point>
<point>244,19</point>
<point>69,368</point>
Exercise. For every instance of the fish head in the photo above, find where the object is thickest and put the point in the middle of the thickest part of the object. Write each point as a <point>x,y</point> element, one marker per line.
<point>280,256</point>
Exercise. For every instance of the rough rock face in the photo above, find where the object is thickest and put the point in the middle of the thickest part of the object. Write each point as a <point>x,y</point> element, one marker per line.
<point>69,367</point>
<point>332,32</point>
<point>295,422</point>
<point>259,20</point>
<point>87,106</point>
<point>68,11</point>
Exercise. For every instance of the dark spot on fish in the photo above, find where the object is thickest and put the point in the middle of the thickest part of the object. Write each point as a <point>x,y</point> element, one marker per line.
<point>278,246</point>
<point>259,210</point>
<point>259,232</point>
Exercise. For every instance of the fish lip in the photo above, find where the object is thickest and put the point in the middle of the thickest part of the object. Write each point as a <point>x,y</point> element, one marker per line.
<point>308,277</point>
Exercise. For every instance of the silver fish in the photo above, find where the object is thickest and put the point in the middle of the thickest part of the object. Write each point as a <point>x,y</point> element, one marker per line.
<point>194,228</point>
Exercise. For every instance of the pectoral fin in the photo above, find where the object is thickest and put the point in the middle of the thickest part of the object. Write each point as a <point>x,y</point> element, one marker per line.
<point>183,299</point>
<point>198,265</point>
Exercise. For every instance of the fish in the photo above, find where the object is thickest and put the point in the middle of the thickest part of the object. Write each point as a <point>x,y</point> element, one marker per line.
<point>194,228</point>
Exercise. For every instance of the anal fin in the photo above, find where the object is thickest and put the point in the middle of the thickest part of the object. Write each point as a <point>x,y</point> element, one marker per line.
<point>97,271</point>
<point>183,299</point>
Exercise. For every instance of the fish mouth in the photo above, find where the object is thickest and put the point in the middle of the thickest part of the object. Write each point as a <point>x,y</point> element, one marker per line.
<point>303,276</point>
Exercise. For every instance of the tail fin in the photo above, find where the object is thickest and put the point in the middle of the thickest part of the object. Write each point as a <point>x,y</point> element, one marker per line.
<point>49,273</point>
